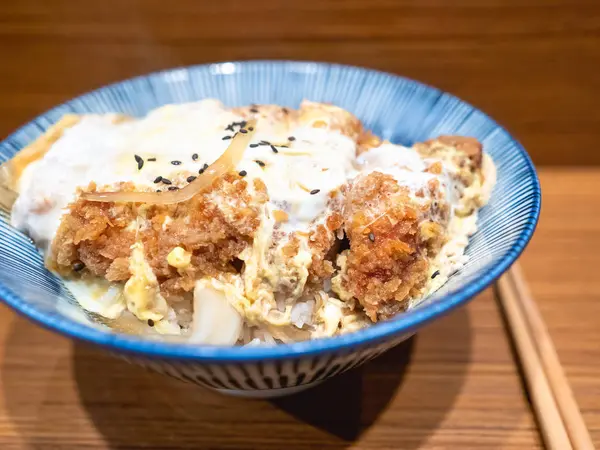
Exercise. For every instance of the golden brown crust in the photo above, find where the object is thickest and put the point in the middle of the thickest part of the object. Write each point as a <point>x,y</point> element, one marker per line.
<point>100,234</point>
<point>392,237</point>
<point>323,245</point>
<point>387,260</point>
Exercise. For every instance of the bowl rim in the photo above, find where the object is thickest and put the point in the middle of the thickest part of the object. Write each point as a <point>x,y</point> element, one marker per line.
<point>405,324</point>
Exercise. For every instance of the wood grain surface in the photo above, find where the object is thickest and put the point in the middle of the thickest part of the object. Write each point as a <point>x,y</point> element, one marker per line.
<point>531,64</point>
<point>561,267</point>
<point>455,385</point>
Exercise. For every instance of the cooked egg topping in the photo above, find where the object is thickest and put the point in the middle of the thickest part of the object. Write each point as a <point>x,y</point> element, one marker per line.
<point>170,147</point>
<point>141,290</point>
<point>303,163</point>
<point>179,258</point>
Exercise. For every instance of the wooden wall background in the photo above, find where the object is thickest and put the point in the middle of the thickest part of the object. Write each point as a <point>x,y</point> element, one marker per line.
<point>532,64</point>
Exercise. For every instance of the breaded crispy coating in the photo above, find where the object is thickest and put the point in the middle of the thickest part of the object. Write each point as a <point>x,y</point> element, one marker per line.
<point>393,236</point>
<point>215,232</point>
<point>324,245</point>
<point>387,259</point>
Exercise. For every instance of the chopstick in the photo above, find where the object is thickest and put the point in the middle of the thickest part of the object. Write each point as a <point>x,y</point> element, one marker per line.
<point>553,401</point>
<point>553,429</point>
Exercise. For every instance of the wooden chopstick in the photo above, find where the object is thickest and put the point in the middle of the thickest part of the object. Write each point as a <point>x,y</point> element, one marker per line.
<point>572,418</point>
<point>553,401</point>
<point>553,429</point>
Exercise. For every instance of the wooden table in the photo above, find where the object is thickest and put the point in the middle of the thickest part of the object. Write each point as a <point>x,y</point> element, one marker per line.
<point>531,64</point>
<point>455,385</point>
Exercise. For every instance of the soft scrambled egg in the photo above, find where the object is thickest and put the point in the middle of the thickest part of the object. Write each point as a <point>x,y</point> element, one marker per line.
<point>141,291</point>
<point>303,164</point>
<point>179,258</point>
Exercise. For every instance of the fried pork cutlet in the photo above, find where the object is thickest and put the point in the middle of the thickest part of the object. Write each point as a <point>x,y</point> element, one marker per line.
<point>213,233</point>
<point>394,231</point>
<point>389,238</point>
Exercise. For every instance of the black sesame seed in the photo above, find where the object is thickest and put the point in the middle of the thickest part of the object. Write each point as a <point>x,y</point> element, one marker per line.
<point>173,188</point>
<point>274,149</point>
<point>264,143</point>
<point>253,145</point>
<point>151,159</point>
<point>253,110</point>
<point>140,161</point>
<point>243,131</point>
<point>176,163</point>
<point>229,127</point>
<point>150,322</point>
<point>226,137</point>
<point>158,179</point>
<point>242,124</point>
<point>78,266</point>
<point>166,181</point>
<point>260,163</point>
<point>371,237</point>
<point>201,171</point>
<point>191,178</point>
<point>158,190</point>
<point>435,274</point>
<point>291,138</point>
<point>243,173</point>
<point>315,191</point>
<point>284,146</point>
<point>250,128</point>
<point>195,157</point>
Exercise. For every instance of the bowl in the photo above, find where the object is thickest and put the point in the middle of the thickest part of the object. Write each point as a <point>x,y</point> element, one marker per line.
<point>395,108</point>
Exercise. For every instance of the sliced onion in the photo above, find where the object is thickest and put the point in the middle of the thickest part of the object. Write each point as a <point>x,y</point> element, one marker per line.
<point>226,162</point>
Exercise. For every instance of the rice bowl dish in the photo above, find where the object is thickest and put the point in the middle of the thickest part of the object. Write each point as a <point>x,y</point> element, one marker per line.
<point>249,225</point>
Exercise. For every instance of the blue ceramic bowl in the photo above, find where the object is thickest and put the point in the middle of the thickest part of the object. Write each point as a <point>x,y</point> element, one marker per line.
<point>395,108</point>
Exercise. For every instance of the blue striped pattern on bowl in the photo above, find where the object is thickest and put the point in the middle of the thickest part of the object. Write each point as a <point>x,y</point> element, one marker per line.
<point>395,108</point>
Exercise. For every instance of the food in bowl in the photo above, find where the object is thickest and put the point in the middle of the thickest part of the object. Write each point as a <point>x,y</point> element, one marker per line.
<point>251,225</point>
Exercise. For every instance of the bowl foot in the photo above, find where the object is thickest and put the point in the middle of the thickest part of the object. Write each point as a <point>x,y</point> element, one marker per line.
<point>267,393</point>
